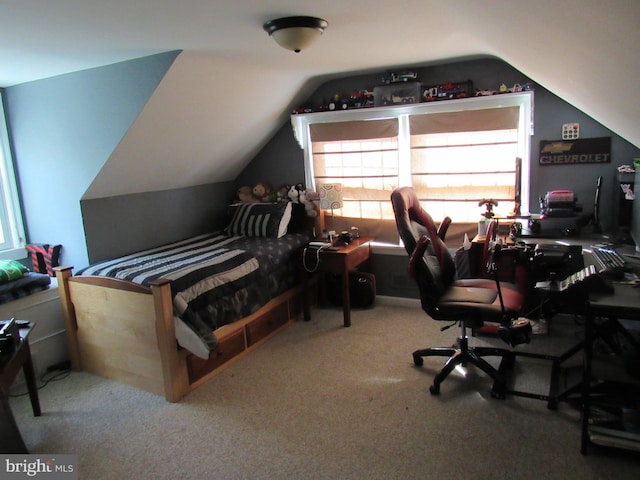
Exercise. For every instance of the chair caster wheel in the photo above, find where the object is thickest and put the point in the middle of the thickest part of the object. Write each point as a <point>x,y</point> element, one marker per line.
<point>434,389</point>
<point>498,395</point>
<point>418,361</point>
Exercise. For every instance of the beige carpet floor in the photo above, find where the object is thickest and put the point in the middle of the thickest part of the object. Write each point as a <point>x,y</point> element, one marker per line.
<point>320,401</point>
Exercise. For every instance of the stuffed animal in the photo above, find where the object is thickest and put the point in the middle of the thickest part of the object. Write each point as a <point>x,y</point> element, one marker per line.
<point>298,194</point>
<point>262,191</point>
<point>294,194</point>
<point>309,207</point>
<point>245,195</point>
<point>282,194</point>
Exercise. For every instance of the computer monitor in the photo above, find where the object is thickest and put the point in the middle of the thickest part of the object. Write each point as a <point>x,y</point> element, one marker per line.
<point>635,213</point>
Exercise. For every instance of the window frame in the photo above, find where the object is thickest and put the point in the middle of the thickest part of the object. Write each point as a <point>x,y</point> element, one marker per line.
<point>301,124</point>
<point>11,219</point>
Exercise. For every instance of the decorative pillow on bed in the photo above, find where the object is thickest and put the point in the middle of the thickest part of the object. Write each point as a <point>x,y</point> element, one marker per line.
<point>11,270</point>
<point>259,219</point>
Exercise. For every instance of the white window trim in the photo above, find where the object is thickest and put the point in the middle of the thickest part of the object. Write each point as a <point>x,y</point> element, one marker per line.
<point>525,100</point>
<point>11,215</point>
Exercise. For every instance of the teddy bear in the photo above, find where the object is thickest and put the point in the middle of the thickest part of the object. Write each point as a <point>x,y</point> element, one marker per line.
<point>245,195</point>
<point>309,207</point>
<point>262,191</point>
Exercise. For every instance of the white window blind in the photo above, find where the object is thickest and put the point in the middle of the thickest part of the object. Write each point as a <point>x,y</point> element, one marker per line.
<point>461,158</point>
<point>454,153</point>
<point>363,157</point>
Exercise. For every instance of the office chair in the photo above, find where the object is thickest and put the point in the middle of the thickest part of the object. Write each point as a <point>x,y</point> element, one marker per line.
<point>469,302</point>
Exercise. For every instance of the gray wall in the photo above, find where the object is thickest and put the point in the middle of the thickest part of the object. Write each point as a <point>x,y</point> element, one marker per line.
<point>280,162</point>
<point>125,224</point>
<point>282,158</point>
<point>63,129</point>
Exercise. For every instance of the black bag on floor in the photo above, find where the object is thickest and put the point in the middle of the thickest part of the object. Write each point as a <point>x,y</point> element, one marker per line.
<point>362,289</point>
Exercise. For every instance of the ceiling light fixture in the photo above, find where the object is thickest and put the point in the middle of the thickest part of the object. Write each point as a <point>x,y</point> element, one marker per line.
<point>295,33</point>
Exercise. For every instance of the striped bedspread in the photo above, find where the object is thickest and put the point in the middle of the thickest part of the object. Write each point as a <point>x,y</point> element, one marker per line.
<point>215,279</point>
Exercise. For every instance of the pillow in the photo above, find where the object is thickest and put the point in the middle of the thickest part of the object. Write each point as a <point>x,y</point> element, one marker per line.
<point>11,270</point>
<point>259,219</point>
<point>189,339</point>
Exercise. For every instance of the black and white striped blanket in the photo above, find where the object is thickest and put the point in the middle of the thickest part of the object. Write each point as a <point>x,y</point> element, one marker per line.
<point>215,279</point>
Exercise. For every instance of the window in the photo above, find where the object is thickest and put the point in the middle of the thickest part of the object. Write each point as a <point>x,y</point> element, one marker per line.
<point>454,153</point>
<point>363,157</point>
<point>459,158</point>
<point>12,238</point>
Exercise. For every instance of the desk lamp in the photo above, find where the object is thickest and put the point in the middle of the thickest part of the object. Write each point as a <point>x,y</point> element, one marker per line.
<point>330,198</point>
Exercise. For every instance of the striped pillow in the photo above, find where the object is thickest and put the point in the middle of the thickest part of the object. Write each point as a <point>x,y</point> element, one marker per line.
<point>259,219</point>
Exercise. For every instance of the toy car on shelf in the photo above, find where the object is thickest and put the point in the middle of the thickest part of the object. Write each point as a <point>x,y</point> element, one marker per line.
<point>305,109</point>
<point>484,93</point>
<point>338,103</point>
<point>517,87</point>
<point>361,99</point>
<point>448,91</point>
<point>397,100</point>
<point>395,77</point>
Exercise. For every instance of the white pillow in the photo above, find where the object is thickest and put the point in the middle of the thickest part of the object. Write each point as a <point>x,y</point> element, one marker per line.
<point>190,340</point>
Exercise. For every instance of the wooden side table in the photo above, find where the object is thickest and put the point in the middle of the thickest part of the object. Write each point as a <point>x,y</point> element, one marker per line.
<point>11,440</point>
<point>338,261</point>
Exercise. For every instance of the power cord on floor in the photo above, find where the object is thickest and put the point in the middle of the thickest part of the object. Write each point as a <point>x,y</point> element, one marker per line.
<point>54,373</point>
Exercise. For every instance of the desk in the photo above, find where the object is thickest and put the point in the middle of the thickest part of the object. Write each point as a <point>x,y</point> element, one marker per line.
<point>11,440</point>
<point>599,309</point>
<point>624,303</point>
<point>339,262</point>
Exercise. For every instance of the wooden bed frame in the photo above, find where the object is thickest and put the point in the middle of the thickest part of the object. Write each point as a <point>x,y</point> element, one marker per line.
<point>124,331</point>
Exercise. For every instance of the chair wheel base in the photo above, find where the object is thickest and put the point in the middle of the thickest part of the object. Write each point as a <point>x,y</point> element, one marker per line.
<point>434,389</point>
<point>497,394</point>
<point>418,361</point>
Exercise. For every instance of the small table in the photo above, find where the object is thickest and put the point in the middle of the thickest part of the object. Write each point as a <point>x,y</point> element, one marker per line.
<point>339,260</point>
<point>11,440</point>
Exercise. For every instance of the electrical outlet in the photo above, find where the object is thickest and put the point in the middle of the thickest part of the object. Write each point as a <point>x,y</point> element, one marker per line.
<point>570,131</point>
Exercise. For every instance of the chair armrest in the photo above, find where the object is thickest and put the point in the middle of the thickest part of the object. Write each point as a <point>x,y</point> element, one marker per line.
<point>417,254</point>
<point>444,226</point>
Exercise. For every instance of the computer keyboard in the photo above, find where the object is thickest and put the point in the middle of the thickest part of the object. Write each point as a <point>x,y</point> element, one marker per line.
<point>608,260</point>
<point>577,278</point>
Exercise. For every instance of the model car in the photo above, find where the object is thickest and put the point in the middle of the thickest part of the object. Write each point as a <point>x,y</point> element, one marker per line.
<point>395,77</point>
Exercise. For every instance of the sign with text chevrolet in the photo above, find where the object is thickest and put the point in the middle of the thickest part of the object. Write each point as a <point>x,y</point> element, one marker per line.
<point>575,152</point>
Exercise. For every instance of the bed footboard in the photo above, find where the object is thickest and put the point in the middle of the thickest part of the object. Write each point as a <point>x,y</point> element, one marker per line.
<point>108,324</point>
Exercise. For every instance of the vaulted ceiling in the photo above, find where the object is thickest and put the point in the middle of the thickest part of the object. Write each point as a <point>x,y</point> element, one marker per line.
<point>232,87</point>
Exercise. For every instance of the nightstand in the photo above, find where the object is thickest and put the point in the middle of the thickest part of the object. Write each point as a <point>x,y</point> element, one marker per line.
<point>338,261</point>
